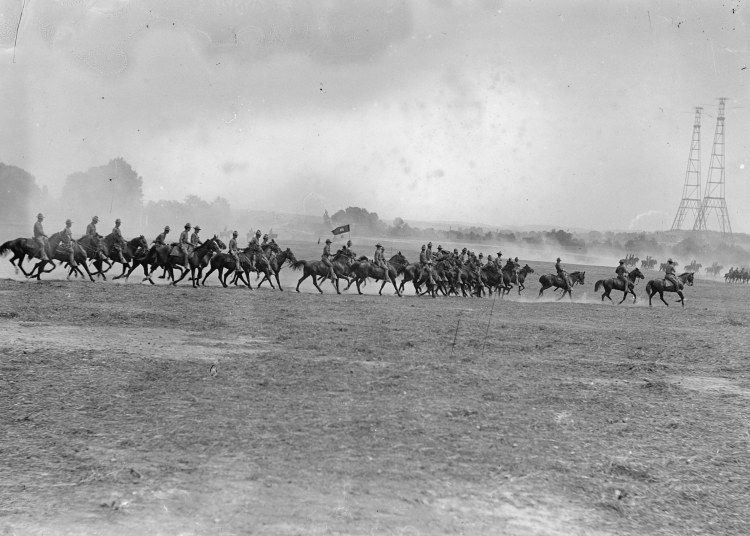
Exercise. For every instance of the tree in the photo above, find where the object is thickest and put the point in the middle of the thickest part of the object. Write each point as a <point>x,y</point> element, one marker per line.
<point>18,192</point>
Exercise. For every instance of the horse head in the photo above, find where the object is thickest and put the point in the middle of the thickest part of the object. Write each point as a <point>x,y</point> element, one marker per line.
<point>398,259</point>
<point>290,256</point>
<point>527,269</point>
<point>635,274</point>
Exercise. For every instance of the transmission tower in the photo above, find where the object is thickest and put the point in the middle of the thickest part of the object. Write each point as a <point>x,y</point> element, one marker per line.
<point>714,198</point>
<point>691,192</point>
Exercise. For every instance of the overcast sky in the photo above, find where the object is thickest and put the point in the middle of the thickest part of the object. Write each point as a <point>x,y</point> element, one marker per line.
<point>573,114</point>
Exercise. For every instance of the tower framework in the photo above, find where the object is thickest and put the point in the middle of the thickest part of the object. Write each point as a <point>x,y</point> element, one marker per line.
<point>691,192</point>
<point>714,198</point>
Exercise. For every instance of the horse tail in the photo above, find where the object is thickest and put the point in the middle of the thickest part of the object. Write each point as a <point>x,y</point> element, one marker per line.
<point>598,284</point>
<point>297,265</point>
<point>8,246</point>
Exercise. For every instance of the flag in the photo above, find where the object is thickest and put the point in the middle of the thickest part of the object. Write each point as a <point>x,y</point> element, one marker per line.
<point>341,229</point>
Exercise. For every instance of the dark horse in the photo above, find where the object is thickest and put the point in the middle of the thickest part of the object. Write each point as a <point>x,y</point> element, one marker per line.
<point>553,280</point>
<point>615,283</point>
<point>277,263</point>
<point>162,256</point>
<point>361,270</point>
<point>54,252</point>
<point>21,247</point>
<point>315,269</point>
<point>662,285</point>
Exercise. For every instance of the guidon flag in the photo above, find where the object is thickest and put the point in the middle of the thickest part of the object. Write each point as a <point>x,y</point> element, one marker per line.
<point>341,229</point>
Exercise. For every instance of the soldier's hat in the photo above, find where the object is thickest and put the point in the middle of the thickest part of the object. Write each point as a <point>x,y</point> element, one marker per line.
<point>516,259</point>
<point>464,250</point>
<point>95,218</point>
<point>500,253</point>
<point>429,244</point>
<point>481,254</point>
<point>166,228</point>
<point>328,240</point>
<point>559,259</point>
<point>622,261</point>
<point>187,226</point>
<point>455,250</point>
<point>118,220</point>
<point>68,222</point>
<point>440,248</point>
<point>40,216</point>
<point>423,246</point>
<point>378,245</point>
<point>197,228</point>
<point>235,233</point>
<point>670,261</point>
<point>258,232</point>
<point>348,242</point>
<point>265,236</point>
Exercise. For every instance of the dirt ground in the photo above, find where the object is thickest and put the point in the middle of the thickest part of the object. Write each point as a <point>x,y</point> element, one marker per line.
<point>132,409</point>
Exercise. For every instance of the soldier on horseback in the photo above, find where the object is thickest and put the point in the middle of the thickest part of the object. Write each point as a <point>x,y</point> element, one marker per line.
<point>563,275</point>
<point>161,239</point>
<point>119,241</point>
<point>463,257</point>
<point>91,228</point>
<point>512,266</point>
<point>325,257</point>
<point>379,258</point>
<point>669,274</point>
<point>254,246</point>
<point>66,242</point>
<point>234,252</point>
<point>184,245</point>
<point>40,237</point>
<point>425,263</point>
<point>622,273</point>
<point>346,250</point>
<point>195,240</point>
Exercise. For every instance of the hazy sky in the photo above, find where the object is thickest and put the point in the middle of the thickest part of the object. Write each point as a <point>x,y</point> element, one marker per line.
<point>573,114</point>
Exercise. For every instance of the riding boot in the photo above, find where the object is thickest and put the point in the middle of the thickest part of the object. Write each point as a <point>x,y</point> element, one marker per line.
<point>73,262</point>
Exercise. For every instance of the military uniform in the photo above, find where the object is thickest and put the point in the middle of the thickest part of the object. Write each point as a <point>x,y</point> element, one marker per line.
<point>195,240</point>
<point>325,258</point>
<point>66,241</point>
<point>185,246</point>
<point>234,252</point>
<point>379,258</point>
<point>119,241</point>
<point>425,263</point>
<point>670,275</point>
<point>40,237</point>
<point>563,274</point>
<point>91,228</point>
<point>161,239</point>
<point>622,274</point>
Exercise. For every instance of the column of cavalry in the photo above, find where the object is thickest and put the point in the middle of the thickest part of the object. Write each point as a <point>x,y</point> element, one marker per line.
<point>442,272</point>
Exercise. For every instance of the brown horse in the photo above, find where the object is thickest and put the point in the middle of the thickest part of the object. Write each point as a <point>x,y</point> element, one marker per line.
<point>615,283</point>
<point>662,285</point>
<point>315,269</point>
<point>277,263</point>
<point>553,280</point>
<point>55,252</point>
<point>361,270</point>
<point>21,247</point>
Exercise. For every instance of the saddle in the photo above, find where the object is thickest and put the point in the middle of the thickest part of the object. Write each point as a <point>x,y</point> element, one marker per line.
<point>175,250</point>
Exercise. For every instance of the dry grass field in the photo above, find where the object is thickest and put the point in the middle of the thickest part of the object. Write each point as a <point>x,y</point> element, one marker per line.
<point>132,409</point>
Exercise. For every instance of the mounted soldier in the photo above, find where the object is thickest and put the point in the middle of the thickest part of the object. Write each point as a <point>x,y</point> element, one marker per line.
<point>66,242</point>
<point>234,252</point>
<point>425,263</point>
<point>563,274</point>
<point>268,247</point>
<point>254,246</point>
<point>119,241</point>
<point>184,245</point>
<point>326,259</point>
<point>161,239</point>
<point>670,274</point>
<point>346,250</point>
<point>195,240</point>
<point>379,258</point>
<point>464,256</point>
<point>40,237</point>
<point>622,273</point>
<point>91,228</point>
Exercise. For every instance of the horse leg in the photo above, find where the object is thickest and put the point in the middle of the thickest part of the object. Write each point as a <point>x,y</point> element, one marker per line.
<point>315,282</point>
<point>86,267</point>
<point>682,297</point>
<point>395,285</point>
<point>182,276</point>
<point>661,297</point>
<point>380,292</point>
<point>301,279</point>
<point>278,282</point>
<point>207,274</point>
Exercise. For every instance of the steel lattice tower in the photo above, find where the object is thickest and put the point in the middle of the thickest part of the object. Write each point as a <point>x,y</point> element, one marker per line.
<point>691,192</point>
<point>714,198</point>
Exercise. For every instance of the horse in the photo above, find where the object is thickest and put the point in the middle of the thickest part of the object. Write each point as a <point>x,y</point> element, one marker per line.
<point>126,253</point>
<point>661,286</point>
<point>97,252</point>
<point>553,280</point>
<point>223,261</point>
<point>55,253</point>
<point>341,268</point>
<point>615,283</point>
<point>162,256</point>
<point>21,247</point>
<point>364,269</point>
